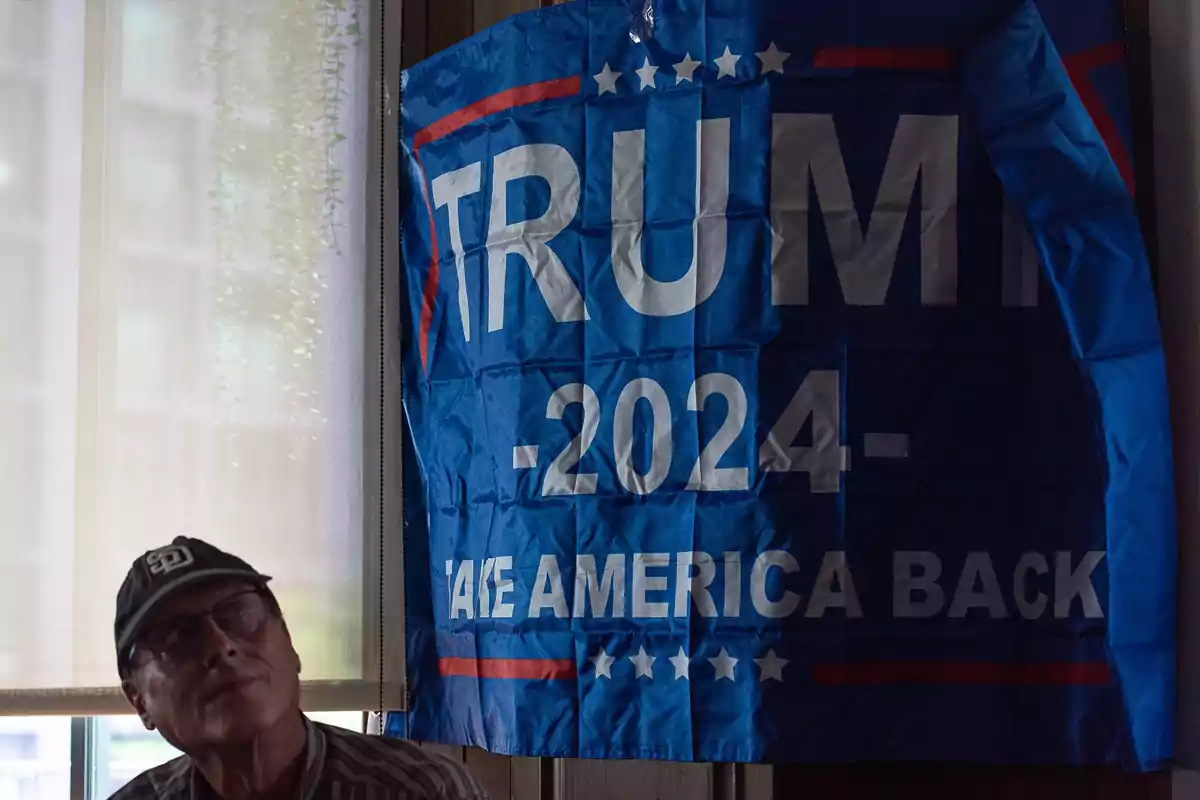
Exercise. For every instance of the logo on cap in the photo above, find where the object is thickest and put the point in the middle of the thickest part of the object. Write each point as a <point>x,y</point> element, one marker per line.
<point>167,559</point>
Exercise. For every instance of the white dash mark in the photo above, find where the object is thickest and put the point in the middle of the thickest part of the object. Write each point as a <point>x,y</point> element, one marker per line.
<point>525,456</point>
<point>885,445</point>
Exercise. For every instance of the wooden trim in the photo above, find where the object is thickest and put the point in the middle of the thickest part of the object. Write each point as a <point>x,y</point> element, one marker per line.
<point>724,782</point>
<point>82,746</point>
<point>414,36</point>
<point>489,12</point>
<point>448,22</point>
<point>532,778</point>
<point>1185,785</point>
<point>1174,29</point>
<point>109,701</point>
<point>757,782</point>
<point>743,782</point>
<point>1141,97</point>
<point>978,782</point>
<point>493,771</point>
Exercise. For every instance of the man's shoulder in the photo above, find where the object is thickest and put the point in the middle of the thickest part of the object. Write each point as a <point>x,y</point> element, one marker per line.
<point>355,758</point>
<point>165,782</point>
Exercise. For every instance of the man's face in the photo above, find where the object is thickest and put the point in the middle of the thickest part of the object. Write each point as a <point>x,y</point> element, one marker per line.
<point>215,666</point>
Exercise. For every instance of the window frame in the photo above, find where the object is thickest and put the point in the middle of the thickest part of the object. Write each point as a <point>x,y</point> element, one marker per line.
<point>382,684</point>
<point>382,419</point>
<point>88,753</point>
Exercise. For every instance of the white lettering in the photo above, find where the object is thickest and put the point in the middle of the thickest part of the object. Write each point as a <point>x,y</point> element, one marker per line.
<point>683,584</point>
<point>905,583</point>
<point>559,479</point>
<point>733,583</point>
<point>463,596</point>
<point>806,145</point>
<point>661,443</point>
<point>824,596</point>
<point>448,190</point>
<point>504,586</point>
<point>697,585</point>
<point>978,569</point>
<point>548,589</point>
<point>1036,563</point>
<point>643,583</point>
<point>530,239</point>
<point>645,294</point>
<point>1070,584</point>
<point>485,588</point>
<point>612,585</point>
<point>706,475</point>
<point>819,397</point>
<point>780,559</point>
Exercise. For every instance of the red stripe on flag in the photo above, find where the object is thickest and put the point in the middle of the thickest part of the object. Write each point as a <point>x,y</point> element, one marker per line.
<point>921,58</point>
<point>1105,54</point>
<point>497,103</point>
<point>962,673</point>
<point>504,101</point>
<point>1078,66</point>
<point>529,669</point>
<point>429,295</point>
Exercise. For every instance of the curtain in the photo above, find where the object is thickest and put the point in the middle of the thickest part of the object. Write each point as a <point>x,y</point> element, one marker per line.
<point>182,295</point>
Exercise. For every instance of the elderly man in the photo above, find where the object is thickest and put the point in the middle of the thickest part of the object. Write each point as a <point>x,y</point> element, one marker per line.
<point>205,658</point>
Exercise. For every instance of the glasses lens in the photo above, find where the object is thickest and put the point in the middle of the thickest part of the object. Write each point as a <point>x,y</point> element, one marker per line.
<point>175,644</point>
<point>242,616</point>
<point>239,617</point>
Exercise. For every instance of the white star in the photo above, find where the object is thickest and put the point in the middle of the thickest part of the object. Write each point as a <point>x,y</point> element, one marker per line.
<point>647,73</point>
<point>771,667</point>
<point>607,79</point>
<point>603,662</point>
<point>644,663</point>
<point>680,663</point>
<point>686,70</point>
<point>726,64</point>
<point>723,663</point>
<point>772,59</point>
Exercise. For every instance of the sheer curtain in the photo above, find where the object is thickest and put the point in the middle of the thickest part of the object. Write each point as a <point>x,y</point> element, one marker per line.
<point>182,295</point>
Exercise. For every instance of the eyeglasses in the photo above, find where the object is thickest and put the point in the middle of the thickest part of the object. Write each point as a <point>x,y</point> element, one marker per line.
<point>181,640</point>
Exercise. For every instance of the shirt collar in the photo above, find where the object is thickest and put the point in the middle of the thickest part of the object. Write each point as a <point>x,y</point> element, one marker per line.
<point>314,765</point>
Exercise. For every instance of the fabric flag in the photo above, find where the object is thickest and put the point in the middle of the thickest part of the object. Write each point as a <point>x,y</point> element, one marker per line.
<point>783,382</point>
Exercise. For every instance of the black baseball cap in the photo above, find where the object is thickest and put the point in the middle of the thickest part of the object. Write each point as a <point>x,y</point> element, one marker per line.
<point>160,574</point>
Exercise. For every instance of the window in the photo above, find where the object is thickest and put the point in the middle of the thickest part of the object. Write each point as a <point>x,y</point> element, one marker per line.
<point>122,749</point>
<point>36,753</point>
<point>190,287</point>
<point>35,758</point>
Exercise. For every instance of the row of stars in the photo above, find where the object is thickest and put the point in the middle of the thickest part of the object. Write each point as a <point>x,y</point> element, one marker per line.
<point>770,666</point>
<point>772,61</point>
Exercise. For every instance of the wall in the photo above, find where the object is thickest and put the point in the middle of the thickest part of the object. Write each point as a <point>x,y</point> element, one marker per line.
<point>430,26</point>
<point>1174,26</point>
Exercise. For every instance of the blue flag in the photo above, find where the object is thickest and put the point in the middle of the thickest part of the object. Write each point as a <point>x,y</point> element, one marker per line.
<point>783,382</point>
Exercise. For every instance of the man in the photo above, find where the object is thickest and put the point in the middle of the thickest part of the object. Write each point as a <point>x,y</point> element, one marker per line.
<point>206,658</point>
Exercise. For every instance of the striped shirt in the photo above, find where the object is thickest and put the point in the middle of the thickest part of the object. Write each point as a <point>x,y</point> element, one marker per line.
<point>339,765</point>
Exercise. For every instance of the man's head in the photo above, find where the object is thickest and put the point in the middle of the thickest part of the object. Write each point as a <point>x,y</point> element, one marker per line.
<point>202,649</point>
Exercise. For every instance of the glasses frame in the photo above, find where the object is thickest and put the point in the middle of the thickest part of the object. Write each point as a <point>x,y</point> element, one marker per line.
<point>270,609</point>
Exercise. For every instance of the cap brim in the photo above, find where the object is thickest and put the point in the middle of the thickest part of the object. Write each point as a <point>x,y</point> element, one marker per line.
<point>138,620</point>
